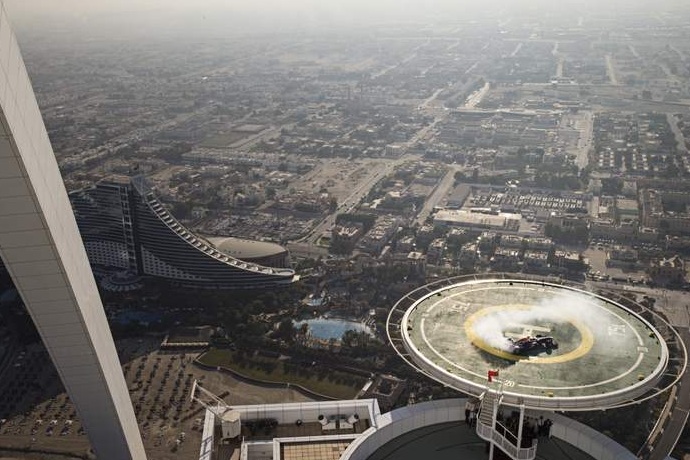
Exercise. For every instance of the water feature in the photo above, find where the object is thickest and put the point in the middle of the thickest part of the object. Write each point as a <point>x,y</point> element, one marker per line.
<point>144,318</point>
<point>332,328</point>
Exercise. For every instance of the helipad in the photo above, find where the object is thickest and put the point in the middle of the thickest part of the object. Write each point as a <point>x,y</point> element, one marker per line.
<point>607,355</point>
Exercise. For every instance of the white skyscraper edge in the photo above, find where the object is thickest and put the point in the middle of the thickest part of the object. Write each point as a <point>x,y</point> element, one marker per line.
<point>43,251</point>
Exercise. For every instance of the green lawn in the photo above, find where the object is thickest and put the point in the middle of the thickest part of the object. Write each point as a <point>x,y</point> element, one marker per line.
<point>223,140</point>
<point>326,382</point>
<point>324,242</point>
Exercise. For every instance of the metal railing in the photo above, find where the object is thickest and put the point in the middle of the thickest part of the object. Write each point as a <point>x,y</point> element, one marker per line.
<point>487,433</point>
<point>503,439</point>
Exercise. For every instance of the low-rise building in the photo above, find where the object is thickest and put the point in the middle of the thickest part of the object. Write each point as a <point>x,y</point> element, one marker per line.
<point>511,241</point>
<point>622,258</point>
<point>608,228</point>
<point>434,254</point>
<point>405,245</point>
<point>568,227</point>
<point>666,210</point>
<point>386,389</point>
<point>345,237</point>
<point>627,209</point>
<point>668,271</point>
<point>376,238</point>
<point>647,234</point>
<point>478,221</point>
<point>505,260</point>
<point>539,243</point>
<point>468,255</point>
<point>566,261</point>
<point>535,261</point>
<point>417,262</point>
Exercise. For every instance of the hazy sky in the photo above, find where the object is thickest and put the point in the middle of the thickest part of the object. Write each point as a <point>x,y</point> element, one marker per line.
<point>232,15</point>
<point>241,14</point>
<point>254,15</point>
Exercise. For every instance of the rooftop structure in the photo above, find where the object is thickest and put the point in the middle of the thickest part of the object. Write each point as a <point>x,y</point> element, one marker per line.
<point>124,226</point>
<point>304,431</point>
<point>584,351</point>
<point>260,252</point>
<point>478,220</point>
<point>289,431</point>
<point>608,355</point>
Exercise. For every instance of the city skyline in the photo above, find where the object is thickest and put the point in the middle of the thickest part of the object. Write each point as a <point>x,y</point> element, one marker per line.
<point>155,17</point>
<point>380,151</point>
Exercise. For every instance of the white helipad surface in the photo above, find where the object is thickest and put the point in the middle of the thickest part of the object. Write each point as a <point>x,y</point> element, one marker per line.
<point>607,355</point>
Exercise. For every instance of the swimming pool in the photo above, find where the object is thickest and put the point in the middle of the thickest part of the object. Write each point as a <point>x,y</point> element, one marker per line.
<point>142,317</point>
<point>332,328</point>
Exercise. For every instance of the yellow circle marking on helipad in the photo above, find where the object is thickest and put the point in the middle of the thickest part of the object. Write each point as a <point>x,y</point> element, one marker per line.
<point>586,342</point>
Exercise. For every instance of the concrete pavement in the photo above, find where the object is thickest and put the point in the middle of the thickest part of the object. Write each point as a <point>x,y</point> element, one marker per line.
<point>672,430</point>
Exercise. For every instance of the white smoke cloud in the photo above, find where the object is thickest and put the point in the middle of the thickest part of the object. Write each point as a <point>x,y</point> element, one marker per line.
<point>494,328</point>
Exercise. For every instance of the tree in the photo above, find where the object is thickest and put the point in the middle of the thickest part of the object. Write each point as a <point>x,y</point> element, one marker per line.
<point>460,177</point>
<point>182,209</point>
<point>612,186</point>
<point>286,330</point>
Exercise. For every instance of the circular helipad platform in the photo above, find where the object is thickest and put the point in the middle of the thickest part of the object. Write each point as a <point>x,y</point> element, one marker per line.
<point>553,346</point>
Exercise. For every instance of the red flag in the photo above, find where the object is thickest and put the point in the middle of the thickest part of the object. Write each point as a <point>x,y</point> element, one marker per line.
<point>492,374</point>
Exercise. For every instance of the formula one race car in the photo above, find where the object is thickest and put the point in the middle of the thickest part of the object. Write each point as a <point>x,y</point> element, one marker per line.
<point>532,345</point>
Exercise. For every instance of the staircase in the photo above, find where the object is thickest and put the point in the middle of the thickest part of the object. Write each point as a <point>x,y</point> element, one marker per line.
<point>487,431</point>
<point>486,409</point>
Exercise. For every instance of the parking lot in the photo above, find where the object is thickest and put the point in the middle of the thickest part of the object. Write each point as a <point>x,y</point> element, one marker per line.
<point>36,413</point>
<point>522,199</point>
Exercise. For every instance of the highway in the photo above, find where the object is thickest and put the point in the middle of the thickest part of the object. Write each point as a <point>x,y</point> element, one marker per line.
<point>307,245</point>
<point>585,141</point>
<point>407,59</point>
<point>680,139</point>
<point>431,99</point>
<point>353,199</point>
<point>611,71</point>
<point>475,98</point>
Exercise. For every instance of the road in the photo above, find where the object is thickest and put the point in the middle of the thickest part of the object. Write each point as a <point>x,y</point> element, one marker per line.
<point>407,59</point>
<point>352,201</point>
<point>585,141</point>
<point>439,192</point>
<point>516,50</point>
<point>423,133</point>
<point>559,67</point>
<point>430,99</point>
<point>475,98</point>
<point>611,71</point>
<point>560,60</point>
<point>255,138</point>
<point>307,245</point>
<point>680,139</point>
<point>634,52</point>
